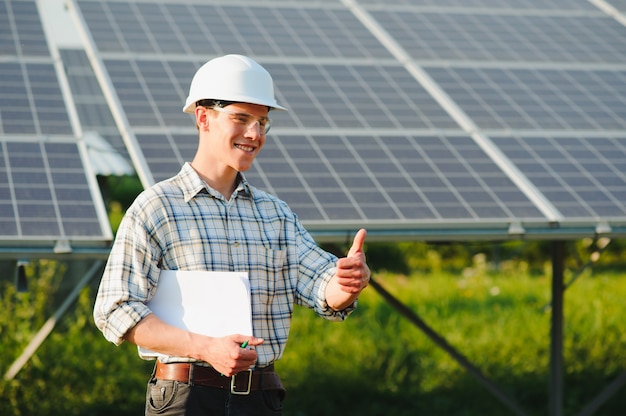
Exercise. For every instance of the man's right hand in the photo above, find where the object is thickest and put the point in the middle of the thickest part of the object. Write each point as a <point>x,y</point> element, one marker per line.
<point>228,357</point>
<point>225,354</point>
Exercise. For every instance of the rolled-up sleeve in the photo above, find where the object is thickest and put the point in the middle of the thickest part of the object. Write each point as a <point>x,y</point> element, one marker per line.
<point>316,268</point>
<point>128,281</point>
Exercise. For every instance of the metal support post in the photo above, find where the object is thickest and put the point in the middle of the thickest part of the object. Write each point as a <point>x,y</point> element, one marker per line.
<point>443,344</point>
<point>556,330</point>
<point>47,328</point>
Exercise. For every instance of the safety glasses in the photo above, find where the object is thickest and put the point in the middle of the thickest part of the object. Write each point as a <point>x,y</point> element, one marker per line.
<point>246,120</point>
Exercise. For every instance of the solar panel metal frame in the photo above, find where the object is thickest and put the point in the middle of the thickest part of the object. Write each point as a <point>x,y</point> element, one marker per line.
<point>47,191</point>
<point>152,67</point>
<point>51,202</point>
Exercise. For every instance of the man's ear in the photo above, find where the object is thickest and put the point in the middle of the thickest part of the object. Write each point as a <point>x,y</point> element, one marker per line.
<point>202,118</point>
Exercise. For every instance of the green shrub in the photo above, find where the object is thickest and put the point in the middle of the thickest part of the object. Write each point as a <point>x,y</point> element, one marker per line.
<point>375,363</point>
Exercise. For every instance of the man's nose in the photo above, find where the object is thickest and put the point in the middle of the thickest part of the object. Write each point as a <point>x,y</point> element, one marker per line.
<point>255,127</point>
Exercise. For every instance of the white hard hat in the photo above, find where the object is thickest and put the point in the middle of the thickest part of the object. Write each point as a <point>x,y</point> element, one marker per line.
<point>232,78</point>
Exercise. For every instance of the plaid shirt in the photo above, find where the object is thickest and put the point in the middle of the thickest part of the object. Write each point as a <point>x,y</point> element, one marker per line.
<point>183,224</point>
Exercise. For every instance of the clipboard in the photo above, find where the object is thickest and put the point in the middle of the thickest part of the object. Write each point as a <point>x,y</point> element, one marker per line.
<point>208,303</point>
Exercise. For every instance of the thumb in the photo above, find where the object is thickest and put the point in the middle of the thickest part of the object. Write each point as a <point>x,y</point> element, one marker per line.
<point>247,340</point>
<point>357,244</point>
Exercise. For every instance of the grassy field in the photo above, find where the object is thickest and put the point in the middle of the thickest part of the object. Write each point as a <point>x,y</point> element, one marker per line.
<point>378,363</point>
<point>375,363</point>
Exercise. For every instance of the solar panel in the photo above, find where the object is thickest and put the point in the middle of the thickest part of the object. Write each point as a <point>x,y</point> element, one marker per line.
<point>22,32</point>
<point>46,195</point>
<point>620,5</point>
<point>402,113</point>
<point>582,176</point>
<point>538,99</point>
<point>554,5</point>
<point>174,28</point>
<point>486,36</point>
<point>23,87</point>
<point>91,106</point>
<point>390,178</point>
<point>355,97</point>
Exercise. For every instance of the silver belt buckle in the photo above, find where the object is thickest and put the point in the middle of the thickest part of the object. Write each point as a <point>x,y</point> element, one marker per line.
<point>233,386</point>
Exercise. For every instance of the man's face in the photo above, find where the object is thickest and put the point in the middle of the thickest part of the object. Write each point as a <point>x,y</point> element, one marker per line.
<point>236,134</point>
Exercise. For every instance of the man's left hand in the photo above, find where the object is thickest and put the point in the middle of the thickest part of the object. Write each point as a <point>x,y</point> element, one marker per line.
<point>351,277</point>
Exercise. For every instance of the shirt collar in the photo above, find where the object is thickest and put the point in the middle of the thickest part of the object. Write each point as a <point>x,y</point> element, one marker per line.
<point>192,184</point>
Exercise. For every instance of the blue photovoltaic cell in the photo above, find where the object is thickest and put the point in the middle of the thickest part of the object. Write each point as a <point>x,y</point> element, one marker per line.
<point>210,29</point>
<point>368,137</point>
<point>390,178</point>
<point>524,38</point>
<point>355,97</point>
<point>91,106</point>
<point>618,4</point>
<point>31,101</point>
<point>44,192</point>
<point>581,176</point>
<point>339,178</point>
<point>538,99</point>
<point>21,30</point>
<point>7,36</point>
<point>552,5</point>
<point>329,96</point>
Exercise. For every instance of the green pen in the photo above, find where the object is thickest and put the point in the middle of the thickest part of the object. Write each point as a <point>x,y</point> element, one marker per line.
<point>244,345</point>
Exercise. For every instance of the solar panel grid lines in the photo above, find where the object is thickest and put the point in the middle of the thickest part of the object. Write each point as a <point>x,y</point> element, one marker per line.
<point>578,174</point>
<point>299,96</point>
<point>375,201</point>
<point>23,19</point>
<point>463,160</point>
<point>410,172</point>
<point>166,153</point>
<point>383,193</point>
<point>105,27</point>
<point>25,86</point>
<point>371,160</point>
<point>45,193</point>
<point>169,38</point>
<point>233,29</point>
<point>505,37</point>
<point>536,99</point>
<point>304,200</point>
<point>91,106</point>
<point>446,166</point>
<point>499,5</point>
<point>513,68</point>
<point>372,96</point>
<point>614,8</point>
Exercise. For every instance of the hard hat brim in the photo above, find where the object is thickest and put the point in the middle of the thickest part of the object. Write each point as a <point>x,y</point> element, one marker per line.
<point>190,108</point>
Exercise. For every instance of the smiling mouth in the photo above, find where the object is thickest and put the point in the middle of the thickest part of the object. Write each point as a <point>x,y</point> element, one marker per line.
<point>244,148</point>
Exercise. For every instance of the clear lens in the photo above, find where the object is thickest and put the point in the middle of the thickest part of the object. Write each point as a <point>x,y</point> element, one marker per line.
<point>246,120</point>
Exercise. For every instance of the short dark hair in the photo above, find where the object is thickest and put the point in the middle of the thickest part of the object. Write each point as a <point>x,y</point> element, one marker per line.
<point>209,102</point>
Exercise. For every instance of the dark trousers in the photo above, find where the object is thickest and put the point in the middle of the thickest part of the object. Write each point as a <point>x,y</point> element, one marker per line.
<point>175,398</point>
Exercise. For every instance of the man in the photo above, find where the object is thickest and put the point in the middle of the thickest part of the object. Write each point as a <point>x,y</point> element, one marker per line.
<point>209,218</point>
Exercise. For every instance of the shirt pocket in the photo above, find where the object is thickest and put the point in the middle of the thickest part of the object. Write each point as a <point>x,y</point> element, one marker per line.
<point>268,274</point>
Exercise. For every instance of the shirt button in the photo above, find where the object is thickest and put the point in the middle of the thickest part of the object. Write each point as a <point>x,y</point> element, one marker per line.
<point>236,244</point>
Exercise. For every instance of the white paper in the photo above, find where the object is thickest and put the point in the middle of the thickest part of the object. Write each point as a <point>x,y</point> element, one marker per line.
<point>208,303</point>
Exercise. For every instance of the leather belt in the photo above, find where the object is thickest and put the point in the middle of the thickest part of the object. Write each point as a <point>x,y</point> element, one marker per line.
<point>240,383</point>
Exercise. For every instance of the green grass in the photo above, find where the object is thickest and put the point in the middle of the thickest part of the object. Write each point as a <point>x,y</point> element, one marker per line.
<point>375,363</point>
<point>378,363</point>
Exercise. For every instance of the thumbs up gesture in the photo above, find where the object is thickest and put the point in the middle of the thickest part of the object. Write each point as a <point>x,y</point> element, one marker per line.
<point>351,277</point>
